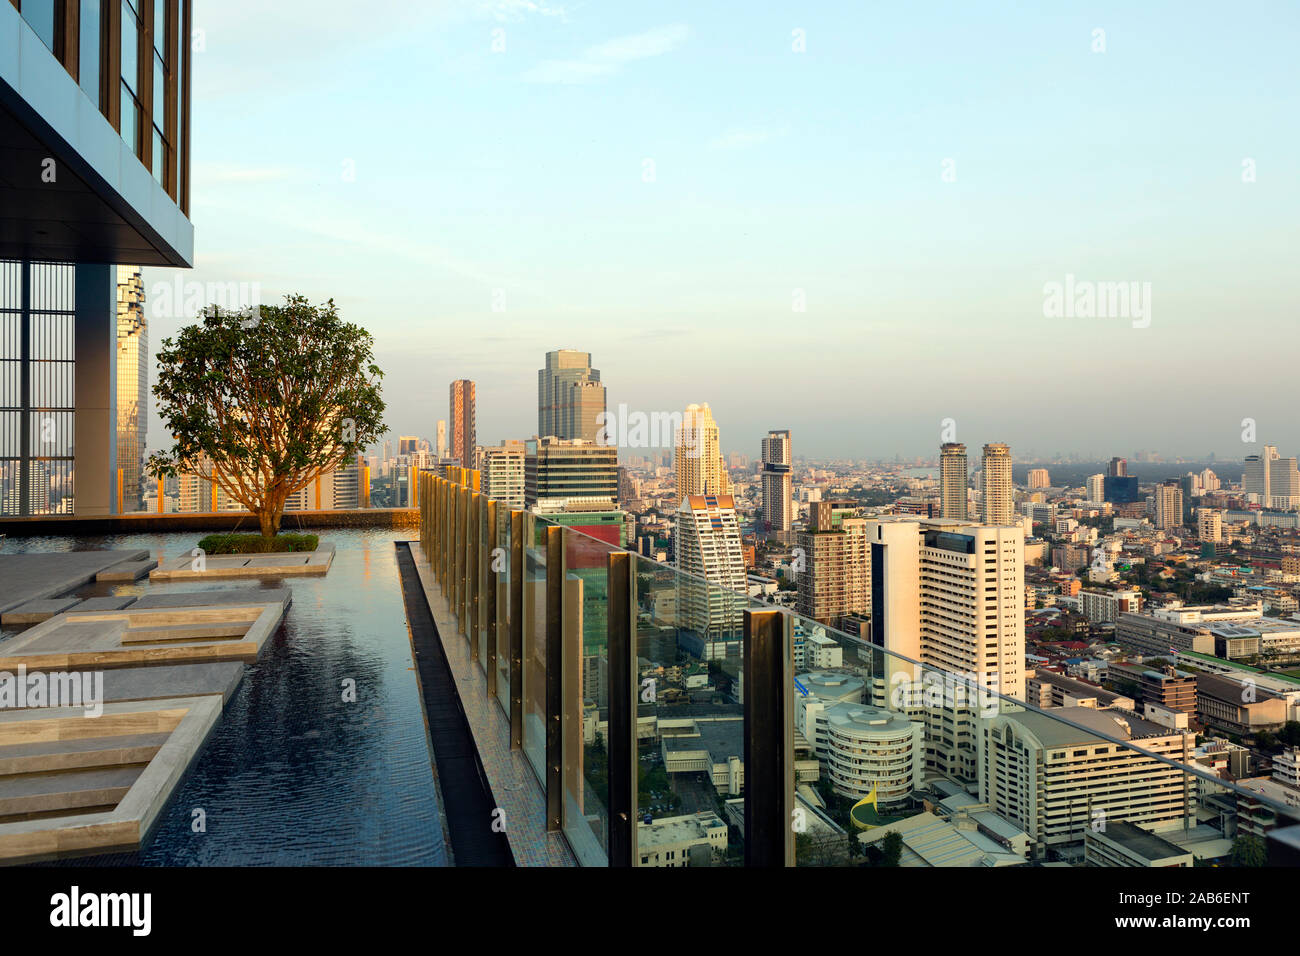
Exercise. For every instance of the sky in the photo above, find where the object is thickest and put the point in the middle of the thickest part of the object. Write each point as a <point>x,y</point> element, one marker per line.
<point>843,219</point>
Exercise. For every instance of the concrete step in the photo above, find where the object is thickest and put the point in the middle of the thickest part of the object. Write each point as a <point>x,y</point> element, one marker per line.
<point>34,612</point>
<point>90,753</point>
<point>184,632</point>
<point>127,571</point>
<point>71,791</point>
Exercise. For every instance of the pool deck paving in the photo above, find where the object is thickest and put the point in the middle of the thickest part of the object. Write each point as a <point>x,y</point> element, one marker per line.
<point>187,567</point>
<point>163,666</point>
<point>33,577</point>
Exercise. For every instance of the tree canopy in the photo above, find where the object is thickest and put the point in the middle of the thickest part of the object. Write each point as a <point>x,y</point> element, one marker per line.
<point>264,402</point>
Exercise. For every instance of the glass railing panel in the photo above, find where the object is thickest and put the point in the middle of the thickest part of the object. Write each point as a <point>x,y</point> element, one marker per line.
<point>689,645</point>
<point>484,571</point>
<point>504,610</point>
<point>586,636</point>
<point>534,664</point>
<point>895,758</point>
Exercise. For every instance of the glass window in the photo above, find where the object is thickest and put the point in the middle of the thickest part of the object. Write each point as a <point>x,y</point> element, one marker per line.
<point>130,46</point>
<point>89,52</point>
<point>39,15</point>
<point>160,27</point>
<point>159,157</point>
<point>130,119</point>
<point>159,92</point>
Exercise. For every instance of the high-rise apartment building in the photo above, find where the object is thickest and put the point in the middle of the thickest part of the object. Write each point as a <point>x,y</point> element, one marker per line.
<point>1169,505</point>
<point>697,455</point>
<point>997,504</point>
<point>949,594</point>
<point>570,396</point>
<point>836,577</point>
<point>408,445</point>
<point>711,592</point>
<point>954,478</point>
<point>1039,478</point>
<point>461,414</point>
<point>1096,486</point>
<point>776,478</point>
<point>440,448</point>
<point>1209,524</point>
<point>1118,468</point>
<point>502,467</point>
<point>132,385</point>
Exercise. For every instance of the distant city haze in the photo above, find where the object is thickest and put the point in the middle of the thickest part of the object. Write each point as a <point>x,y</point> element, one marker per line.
<point>667,187</point>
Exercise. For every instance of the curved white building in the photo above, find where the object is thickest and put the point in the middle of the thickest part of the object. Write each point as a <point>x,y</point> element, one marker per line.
<point>868,747</point>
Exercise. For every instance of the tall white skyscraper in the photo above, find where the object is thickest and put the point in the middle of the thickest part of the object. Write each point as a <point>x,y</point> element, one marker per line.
<point>1096,487</point>
<point>1256,473</point>
<point>697,455</point>
<point>442,439</point>
<point>997,504</point>
<point>949,594</point>
<point>776,478</point>
<point>954,476</point>
<point>711,594</point>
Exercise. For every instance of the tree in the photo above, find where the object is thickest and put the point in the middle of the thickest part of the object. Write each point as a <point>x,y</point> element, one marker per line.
<point>892,846</point>
<point>1248,851</point>
<point>263,403</point>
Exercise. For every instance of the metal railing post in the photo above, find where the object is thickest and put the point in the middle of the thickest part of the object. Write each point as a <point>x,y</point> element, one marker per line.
<point>769,740</point>
<point>624,695</point>
<point>555,575</point>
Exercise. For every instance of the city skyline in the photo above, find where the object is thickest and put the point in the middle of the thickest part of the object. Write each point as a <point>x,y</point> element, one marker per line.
<point>800,188</point>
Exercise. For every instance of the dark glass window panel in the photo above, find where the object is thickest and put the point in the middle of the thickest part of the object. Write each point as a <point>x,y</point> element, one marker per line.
<point>39,15</point>
<point>130,46</point>
<point>89,49</point>
<point>130,119</point>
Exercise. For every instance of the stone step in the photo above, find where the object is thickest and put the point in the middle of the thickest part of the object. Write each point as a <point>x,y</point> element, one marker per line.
<point>127,571</point>
<point>71,791</point>
<point>184,632</point>
<point>34,612</point>
<point>90,753</point>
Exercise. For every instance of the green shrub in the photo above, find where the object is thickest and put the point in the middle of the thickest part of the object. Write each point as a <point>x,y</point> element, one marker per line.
<point>256,544</point>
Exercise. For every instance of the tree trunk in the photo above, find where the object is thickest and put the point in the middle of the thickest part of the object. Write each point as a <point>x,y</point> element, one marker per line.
<point>266,519</point>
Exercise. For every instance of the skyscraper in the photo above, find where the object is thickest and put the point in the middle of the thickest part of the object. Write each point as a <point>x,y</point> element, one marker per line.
<point>441,447</point>
<point>1169,505</point>
<point>836,578</point>
<point>1118,468</point>
<point>711,594</point>
<point>461,413</point>
<point>1256,473</point>
<point>1283,483</point>
<point>776,481</point>
<point>949,594</point>
<point>1097,487</point>
<point>996,507</point>
<point>132,385</point>
<point>953,478</point>
<point>570,396</point>
<point>1039,478</point>
<point>697,455</point>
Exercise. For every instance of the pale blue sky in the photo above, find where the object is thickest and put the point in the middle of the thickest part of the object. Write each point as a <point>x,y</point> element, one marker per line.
<point>775,170</point>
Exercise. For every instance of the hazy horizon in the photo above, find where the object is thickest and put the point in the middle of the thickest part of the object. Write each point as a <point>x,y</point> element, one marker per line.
<point>480,181</point>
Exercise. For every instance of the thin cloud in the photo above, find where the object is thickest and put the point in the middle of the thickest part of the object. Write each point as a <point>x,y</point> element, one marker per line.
<point>611,56</point>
